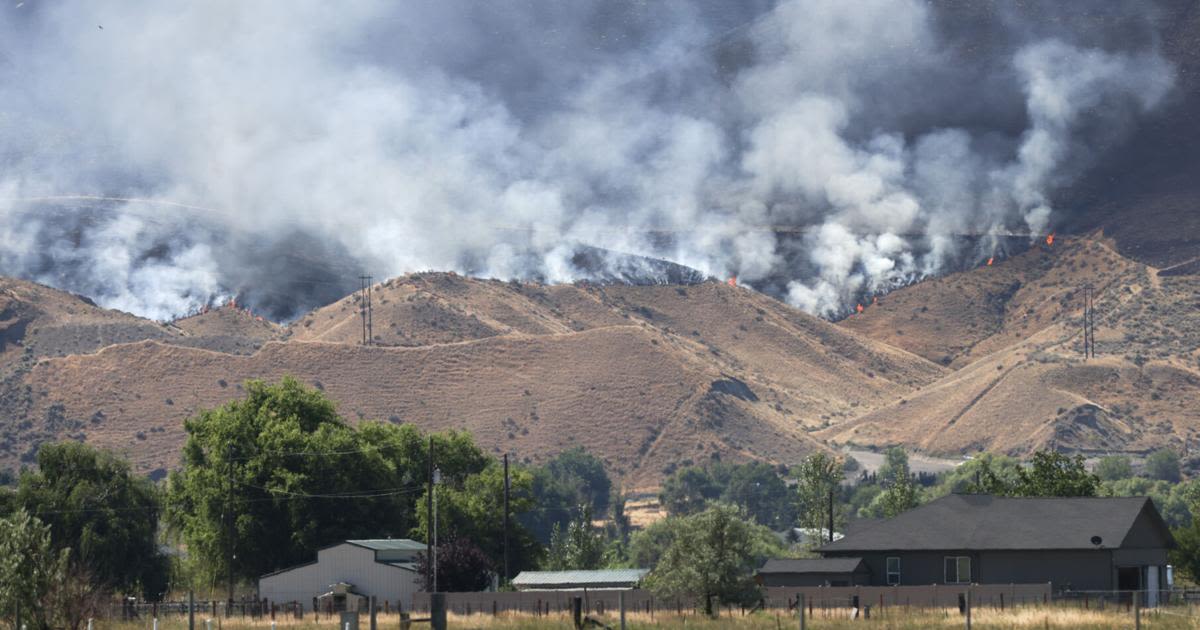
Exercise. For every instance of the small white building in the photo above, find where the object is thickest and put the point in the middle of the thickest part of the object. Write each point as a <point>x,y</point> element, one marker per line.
<point>385,569</point>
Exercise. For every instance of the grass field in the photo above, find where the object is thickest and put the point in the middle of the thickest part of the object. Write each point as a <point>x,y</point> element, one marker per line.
<point>987,619</point>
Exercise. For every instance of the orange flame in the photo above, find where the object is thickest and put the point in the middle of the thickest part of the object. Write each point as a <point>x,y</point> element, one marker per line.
<point>1050,239</point>
<point>991,260</point>
<point>732,281</point>
<point>859,308</point>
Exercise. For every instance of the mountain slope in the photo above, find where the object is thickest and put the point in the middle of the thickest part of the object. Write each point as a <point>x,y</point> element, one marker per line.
<point>1038,391</point>
<point>649,377</point>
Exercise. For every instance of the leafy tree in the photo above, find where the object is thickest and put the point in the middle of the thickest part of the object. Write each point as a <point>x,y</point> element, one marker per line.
<point>1164,465</point>
<point>712,556</point>
<point>294,476</point>
<point>1113,468</point>
<point>94,504</point>
<point>472,508</point>
<point>1051,474</point>
<point>1186,555</point>
<point>688,491</point>
<point>578,547</point>
<point>647,546</point>
<point>759,489</point>
<point>895,465</point>
<point>573,478</point>
<point>900,496</point>
<point>461,566</point>
<point>1173,500</point>
<point>816,477</point>
<point>31,570</point>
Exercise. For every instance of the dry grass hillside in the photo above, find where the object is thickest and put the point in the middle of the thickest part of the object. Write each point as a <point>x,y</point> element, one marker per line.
<point>648,377</point>
<point>1015,393</point>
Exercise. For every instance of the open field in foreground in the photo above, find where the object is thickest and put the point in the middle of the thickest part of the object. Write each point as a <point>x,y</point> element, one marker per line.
<point>986,619</point>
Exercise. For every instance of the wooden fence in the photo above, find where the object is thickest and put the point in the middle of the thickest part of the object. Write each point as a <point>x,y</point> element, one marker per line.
<point>601,601</point>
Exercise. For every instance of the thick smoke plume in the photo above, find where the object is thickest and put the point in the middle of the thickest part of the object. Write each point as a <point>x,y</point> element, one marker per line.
<point>820,148</point>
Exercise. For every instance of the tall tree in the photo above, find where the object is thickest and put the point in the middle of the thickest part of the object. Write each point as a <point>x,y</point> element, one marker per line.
<point>688,490</point>
<point>1050,474</point>
<point>900,496</point>
<point>31,570</point>
<point>1163,464</point>
<point>577,547</point>
<point>294,476</point>
<point>471,508</point>
<point>96,506</point>
<point>571,479</point>
<point>817,477</point>
<point>712,558</point>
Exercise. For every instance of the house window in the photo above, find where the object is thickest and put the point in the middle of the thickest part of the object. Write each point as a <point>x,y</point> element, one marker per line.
<point>958,570</point>
<point>893,571</point>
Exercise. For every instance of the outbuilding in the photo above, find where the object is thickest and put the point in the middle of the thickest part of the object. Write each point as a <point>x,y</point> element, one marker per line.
<point>813,572</point>
<point>610,579</point>
<point>1075,543</point>
<point>344,576</point>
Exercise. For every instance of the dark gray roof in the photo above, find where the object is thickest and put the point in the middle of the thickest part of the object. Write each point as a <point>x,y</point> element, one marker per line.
<point>811,565</point>
<point>386,544</point>
<point>964,521</point>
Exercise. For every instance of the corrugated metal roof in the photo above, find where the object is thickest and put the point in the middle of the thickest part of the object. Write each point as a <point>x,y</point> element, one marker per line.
<point>383,544</point>
<point>975,522</point>
<point>811,565</point>
<point>601,576</point>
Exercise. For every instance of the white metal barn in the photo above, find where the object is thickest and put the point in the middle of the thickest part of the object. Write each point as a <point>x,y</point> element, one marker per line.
<point>385,569</point>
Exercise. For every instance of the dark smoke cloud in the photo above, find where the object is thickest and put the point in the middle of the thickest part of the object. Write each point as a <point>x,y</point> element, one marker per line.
<point>327,139</point>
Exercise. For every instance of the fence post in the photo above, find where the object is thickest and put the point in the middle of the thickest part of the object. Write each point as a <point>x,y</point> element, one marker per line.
<point>191,611</point>
<point>800,607</point>
<point>1137,610</point>
<point>577,611</point>
<point>968,608</point>
<point>621,605</point>
<point>374,613</point>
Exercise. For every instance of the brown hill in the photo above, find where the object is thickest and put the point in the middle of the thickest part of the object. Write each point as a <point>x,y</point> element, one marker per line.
<point>1039,391</point>
<point>649,378</point>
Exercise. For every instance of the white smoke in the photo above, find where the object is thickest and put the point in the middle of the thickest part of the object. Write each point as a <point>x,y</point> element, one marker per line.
<point>461,136</point>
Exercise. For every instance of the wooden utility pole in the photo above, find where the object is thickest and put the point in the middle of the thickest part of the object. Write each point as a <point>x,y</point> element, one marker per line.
<point>429,524</point>
<point>506,486</point>
<point>229,529</point>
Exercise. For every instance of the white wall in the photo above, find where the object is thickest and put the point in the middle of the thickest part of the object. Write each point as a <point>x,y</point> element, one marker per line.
<point>342,563</point>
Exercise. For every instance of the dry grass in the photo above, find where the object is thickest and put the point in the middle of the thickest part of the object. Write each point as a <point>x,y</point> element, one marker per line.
<point>987,619</point>
<point>627,372</point>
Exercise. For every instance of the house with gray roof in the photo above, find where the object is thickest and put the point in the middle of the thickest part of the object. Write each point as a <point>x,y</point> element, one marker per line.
<point>607,579</point>
<point>1073,543</point>
<point>348,573</point>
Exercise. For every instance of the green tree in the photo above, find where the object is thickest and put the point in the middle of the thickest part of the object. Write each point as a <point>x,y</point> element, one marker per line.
<point>31,570</point>
<point>569,480</point>
<point>1113,468</point>
<point>1164,465</point>
<point>472,508</point>
<point>688,490</point>
<point>758,488</point>
<point>577,547</point>
<point>817,477</point>
<point>647,546</point>
<point>712,557</point>
<point>294,476</point>
<point>900,496</point>
<point>895,465</point>
<point>1186,554</point>
<point>95,505</point>
<point>1050,474</point>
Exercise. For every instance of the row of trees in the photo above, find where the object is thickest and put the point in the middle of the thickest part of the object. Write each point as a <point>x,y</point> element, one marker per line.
<point>268,479</point>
